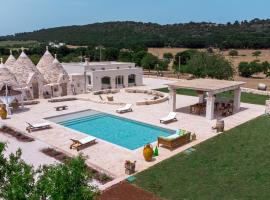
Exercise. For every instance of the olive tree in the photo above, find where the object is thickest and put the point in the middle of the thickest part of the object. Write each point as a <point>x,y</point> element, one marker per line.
<point>68,181</point>
<point>149,61</point>
<point>204,65</point>
<point>168,56</point>
<point>17,177</point>
<point>233,53</point>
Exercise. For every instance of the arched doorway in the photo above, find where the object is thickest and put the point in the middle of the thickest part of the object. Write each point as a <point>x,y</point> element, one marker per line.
<point>105,82</point>
<point>35,89</point>
<point>119,81</point>
<point>131,80</point>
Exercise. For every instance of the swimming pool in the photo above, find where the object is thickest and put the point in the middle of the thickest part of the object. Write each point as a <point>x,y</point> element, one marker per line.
<point>127,133</point>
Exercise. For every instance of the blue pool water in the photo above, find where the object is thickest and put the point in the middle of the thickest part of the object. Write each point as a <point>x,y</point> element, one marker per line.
<point>117,130</point>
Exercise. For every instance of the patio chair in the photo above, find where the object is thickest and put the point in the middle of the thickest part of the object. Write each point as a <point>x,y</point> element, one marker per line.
<point>38,126</point>
<point>170,118</point>
<point>79,144</point>
<point>126,108</point>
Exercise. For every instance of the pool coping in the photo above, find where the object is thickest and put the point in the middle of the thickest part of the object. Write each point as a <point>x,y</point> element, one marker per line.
<point>110,114</point>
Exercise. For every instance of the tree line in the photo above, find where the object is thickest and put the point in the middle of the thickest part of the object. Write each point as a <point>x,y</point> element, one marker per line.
<point>128,34</point>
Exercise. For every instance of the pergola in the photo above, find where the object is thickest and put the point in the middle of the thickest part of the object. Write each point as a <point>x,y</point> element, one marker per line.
<point>208,88</point>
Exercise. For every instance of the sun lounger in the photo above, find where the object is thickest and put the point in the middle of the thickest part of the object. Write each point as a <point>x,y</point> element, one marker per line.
<point>170,118</point>
<point>126,108</point>
<point>38,126</point>
<point>79,144</point>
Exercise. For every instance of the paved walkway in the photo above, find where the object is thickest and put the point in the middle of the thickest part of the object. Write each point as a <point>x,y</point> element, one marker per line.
<point>32,155</point>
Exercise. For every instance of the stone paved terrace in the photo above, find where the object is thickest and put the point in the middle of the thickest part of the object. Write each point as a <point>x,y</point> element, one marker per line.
<point>109,157</point>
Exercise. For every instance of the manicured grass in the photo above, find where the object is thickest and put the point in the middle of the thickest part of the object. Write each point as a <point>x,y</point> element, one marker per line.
<point>245,97</point>
<point>233,165</point>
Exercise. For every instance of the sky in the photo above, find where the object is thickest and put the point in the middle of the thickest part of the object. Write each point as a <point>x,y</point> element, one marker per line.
<point>28,15</point>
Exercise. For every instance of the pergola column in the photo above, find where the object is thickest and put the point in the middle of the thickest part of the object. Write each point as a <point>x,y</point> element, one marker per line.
<point>173,99</point>
<point>210,106</point>
<point>237,100</point>
<point>201,96</point>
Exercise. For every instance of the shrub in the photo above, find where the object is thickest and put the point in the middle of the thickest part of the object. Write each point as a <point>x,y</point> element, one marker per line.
<point>168,56</point>
<point>210,50</point>
<point>246,69</point>
<point>210,65</point>
<point>256,53</point>
<point>233,52</point>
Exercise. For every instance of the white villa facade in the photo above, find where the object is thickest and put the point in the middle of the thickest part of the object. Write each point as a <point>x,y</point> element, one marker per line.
<point>50,78</point>
<point>96,76</point>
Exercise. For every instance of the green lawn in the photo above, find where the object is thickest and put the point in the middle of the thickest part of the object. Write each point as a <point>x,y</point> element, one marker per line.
<point>233,165</point>
<point>245,97</point>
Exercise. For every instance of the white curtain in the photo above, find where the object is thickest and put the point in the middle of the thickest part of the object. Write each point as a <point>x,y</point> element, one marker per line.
<point>8,100</point>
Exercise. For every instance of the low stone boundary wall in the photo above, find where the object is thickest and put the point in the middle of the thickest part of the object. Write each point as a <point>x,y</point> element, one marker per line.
<point>254,91</point>
<point>162,97</point>
<point>101,102</point>
<point>109,91</point>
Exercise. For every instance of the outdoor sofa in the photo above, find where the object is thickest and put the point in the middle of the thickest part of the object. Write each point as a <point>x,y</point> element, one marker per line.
<point>176,140</point>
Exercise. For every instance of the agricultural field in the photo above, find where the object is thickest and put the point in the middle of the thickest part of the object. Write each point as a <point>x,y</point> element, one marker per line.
<point>244,55</point>
<point>16,44</point>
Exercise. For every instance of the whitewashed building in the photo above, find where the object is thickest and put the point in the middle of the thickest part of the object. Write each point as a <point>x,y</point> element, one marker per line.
<point>93,76</point>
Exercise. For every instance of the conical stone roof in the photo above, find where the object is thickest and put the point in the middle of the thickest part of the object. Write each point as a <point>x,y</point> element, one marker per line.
<point>23,69</point>
<point>6,77</point>
<point>54,71</point>
<point>45,61</point>
<point>11,60</point>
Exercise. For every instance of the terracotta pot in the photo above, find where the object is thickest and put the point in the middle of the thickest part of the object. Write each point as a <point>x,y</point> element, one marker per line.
<point>148,152</point>
<point>3,112</point>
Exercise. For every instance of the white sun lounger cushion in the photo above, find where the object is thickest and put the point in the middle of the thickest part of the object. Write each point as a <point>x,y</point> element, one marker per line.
<point>171,116</point>
<point>126,107</point>
<point>40,124</point>
<point>87,140</point>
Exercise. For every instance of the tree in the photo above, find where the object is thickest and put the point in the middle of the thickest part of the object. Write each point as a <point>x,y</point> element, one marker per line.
<point>18,178</point>
<point>149,61</point>
<point>2,165</point>
<point>125,56</point>
<point>168,56</point>
<point>233,53</point>
<point>244,69</point>
<point>67,181</point>
<point>266,68</point>
<point>210,65</point>
<point>256,54</point>
<point>210,50</point>
<point>184,56</point>
<point>162,66</point>
<point>110,54</point>
<point>138,56</point>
